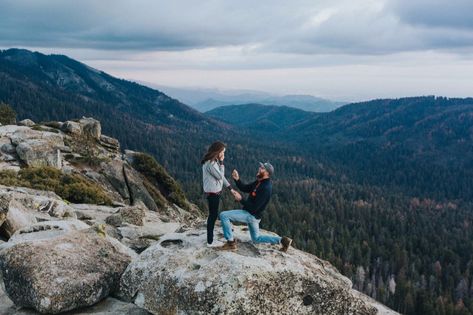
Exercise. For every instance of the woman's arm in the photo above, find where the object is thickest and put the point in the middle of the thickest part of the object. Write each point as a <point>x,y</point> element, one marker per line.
<point>216,172</point>
<point>226,183</point>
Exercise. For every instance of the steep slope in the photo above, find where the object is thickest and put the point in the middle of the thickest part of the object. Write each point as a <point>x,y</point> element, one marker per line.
<point>54,87</point>
<point>421,145</point>
<point>59,79</point>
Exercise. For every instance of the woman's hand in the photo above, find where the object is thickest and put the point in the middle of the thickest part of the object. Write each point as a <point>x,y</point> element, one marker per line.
<point>237,195</point>
<point>235,175</point>
<point>221,156</point>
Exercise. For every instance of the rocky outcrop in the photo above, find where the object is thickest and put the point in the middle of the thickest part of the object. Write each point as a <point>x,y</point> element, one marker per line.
<point>35,148</point>
<point>141,237</point>
<point>134,215</point>
<point>109,306</point>
<point>31,152</point>
<point>138,191</point>
<point>72,127</point>
<point>93,213</point>
<point>26,122</point>
<point>57,256</point>
<point>15,215</point>
<point>46,230</point>
<point>98,177</point>
<point>87,126</point>
<point>91,127</point>
<point>86,269</point>
<point>4,207</point>
<point>113,172</point>
<point>78,147</point>
<point>43,205</point>
<point>179,275</point>
<point>110,143</point>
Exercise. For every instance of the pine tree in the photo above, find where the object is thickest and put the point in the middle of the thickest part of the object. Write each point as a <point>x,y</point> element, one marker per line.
<point>7,114</point>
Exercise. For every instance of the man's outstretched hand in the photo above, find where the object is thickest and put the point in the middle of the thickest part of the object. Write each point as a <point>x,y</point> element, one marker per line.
<point>237,195</point>
<point>235,175</point>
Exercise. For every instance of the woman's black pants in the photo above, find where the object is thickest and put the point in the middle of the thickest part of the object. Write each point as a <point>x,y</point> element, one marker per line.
<point>214,201</point>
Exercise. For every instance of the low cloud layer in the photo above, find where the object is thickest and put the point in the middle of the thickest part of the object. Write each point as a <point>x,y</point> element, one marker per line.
<point>307,27</point>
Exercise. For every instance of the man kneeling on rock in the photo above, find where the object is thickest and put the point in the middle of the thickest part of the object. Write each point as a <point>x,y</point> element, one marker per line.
<point>259,195</point>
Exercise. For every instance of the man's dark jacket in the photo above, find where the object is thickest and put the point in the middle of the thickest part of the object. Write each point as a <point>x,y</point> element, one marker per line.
<point>258,198</point>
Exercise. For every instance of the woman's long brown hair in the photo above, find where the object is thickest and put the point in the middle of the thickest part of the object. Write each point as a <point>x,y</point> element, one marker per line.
<point>213,151</point>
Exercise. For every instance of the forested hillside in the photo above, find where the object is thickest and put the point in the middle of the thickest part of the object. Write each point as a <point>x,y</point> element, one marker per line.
<point>382,189</point>
<point>261,117</point>
<point>421,146</point>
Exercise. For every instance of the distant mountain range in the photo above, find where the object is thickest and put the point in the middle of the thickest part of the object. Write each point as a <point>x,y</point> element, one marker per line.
<point>207,99</point>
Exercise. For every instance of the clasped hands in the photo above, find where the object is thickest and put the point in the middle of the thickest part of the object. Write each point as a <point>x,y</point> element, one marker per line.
<point>235,193</point>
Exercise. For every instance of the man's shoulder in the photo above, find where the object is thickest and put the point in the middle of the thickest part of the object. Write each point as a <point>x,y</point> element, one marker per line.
<point>267,183</point>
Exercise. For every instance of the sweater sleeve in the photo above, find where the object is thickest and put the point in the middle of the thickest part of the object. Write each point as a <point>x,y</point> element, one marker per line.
<point>226,183</point>
<point>216,173</point>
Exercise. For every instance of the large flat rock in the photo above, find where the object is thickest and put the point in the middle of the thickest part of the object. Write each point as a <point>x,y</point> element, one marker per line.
<point>180,275</point>
<point>64,273</point>
<point>109,306</point>
<point>21,207</point>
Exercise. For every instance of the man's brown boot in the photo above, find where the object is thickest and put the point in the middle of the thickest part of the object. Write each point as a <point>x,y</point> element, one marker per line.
<point>229,245</point>
<point>285,242</point>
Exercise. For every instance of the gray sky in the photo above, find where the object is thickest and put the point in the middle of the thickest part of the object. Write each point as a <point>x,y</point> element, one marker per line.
<point>338,49</point>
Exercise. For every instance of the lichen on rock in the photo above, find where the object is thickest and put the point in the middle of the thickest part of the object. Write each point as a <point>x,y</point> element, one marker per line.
<point>56,275</point>
<point>179,275</point>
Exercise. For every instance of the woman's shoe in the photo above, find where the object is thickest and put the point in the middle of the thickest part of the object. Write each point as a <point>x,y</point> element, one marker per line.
<point>215,244</point>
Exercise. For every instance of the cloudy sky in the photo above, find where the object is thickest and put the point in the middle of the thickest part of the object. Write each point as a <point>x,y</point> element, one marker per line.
<point>339,49</point>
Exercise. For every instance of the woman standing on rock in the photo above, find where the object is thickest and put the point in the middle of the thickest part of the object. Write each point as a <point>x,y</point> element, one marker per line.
<point>213,172</point>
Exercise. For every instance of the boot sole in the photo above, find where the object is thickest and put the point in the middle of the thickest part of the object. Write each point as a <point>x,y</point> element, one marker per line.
<point>226,249</point>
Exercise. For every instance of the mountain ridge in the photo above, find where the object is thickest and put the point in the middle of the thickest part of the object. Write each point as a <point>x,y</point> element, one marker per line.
<point>207,99</point>
<point>259,116</point>
<point>69,75</point>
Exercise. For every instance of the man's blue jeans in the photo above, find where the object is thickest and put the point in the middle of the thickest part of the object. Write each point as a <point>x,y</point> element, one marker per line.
<point>253,225</point>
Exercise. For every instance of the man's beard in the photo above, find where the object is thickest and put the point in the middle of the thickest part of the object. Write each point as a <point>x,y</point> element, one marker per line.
<point>259,175</point>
